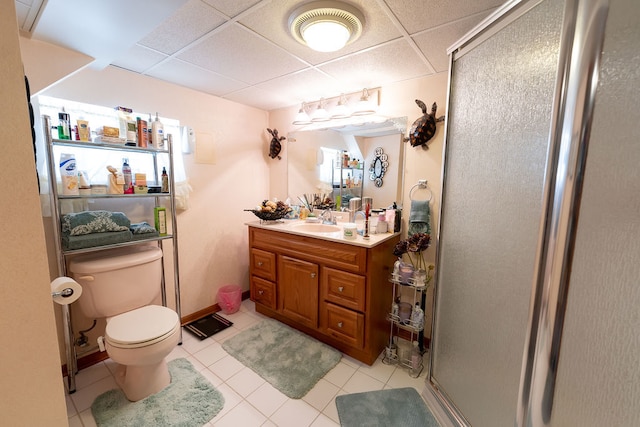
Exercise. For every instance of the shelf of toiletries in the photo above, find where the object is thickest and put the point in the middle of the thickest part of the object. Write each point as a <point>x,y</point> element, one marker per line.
<point>108,146</point>
<point>407,313</point>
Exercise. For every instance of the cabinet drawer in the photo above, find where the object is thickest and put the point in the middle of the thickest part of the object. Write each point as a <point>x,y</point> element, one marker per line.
<point>342,288</point>
<point>263,264</point>
<point>263,292</point>
<point>345,325</point>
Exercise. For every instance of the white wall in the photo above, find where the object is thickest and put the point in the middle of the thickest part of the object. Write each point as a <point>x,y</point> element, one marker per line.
<point>31,388</point>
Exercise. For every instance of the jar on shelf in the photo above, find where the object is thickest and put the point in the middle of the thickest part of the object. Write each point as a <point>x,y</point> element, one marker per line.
<point>406,270</point>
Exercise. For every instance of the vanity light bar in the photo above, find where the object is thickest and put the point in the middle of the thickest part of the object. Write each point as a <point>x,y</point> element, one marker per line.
<point>316,111</point>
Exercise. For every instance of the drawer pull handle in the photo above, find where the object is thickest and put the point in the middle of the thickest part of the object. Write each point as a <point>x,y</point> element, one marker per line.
<point>260,292</point>
<point>339,324</point>
<point>313,275</point>
<point>259,263</point>
<point>340,288</point>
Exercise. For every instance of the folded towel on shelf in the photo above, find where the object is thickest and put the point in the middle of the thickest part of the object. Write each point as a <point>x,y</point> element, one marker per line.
<point>142,228</point>
<point>95,239</point>
<point>91,222</point>
<point>419,217</point>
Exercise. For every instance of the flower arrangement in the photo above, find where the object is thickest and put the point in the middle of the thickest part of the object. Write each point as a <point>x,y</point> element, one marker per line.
<point>413,248</point>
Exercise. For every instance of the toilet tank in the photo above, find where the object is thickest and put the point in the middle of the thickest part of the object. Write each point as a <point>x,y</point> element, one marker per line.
<point>117,280</point>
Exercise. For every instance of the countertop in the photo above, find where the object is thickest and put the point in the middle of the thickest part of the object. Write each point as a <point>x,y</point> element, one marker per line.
<point>289,226</point>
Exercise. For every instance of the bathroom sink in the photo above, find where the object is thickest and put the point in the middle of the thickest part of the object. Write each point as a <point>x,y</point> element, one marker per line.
<point>317,228</point>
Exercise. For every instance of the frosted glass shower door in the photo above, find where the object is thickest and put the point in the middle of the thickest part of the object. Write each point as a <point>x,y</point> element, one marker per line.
<point>598,381</point>
<point>500,110</point>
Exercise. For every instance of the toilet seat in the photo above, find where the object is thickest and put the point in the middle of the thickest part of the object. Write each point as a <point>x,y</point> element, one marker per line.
<point>142,327</point>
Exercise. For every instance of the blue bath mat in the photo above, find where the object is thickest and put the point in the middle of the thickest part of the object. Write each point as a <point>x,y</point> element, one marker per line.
<point>189,401</point>
<point>395,407</point>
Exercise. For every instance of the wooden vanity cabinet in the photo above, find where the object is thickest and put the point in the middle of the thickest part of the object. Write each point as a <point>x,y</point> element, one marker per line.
<point>336,292</point>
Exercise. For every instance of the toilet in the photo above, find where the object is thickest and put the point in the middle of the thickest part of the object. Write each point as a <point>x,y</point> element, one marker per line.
<point>120,285</point>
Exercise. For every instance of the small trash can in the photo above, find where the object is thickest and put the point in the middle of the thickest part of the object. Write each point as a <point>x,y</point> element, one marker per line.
<point>229,298</point>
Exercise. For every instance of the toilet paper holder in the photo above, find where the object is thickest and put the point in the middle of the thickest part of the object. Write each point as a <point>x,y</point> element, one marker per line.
<point>65,293</point>
<point>65,290</point>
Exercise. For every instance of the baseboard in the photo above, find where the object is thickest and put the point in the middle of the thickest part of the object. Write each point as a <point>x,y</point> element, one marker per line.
<point>99,356</point>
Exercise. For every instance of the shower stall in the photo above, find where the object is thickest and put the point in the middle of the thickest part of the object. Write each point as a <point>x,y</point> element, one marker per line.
<point>537,299</point>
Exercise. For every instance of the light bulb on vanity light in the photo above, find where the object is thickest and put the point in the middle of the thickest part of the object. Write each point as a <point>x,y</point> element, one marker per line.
<point>341,111</point>
<point>320,114</point>
<point>302,118</point>
<point>364,106</point>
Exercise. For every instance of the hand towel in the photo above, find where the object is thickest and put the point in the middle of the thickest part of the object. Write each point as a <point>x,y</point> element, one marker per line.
<point>89,222</point>
<point>419,218</point>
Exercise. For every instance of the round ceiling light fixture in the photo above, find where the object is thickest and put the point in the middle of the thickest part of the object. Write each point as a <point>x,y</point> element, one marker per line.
<point>326,26</point>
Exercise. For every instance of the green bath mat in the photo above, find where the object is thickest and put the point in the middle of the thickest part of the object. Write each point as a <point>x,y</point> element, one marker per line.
<point>395,407</point>
<point>189,401</point>
<point>289,360</point>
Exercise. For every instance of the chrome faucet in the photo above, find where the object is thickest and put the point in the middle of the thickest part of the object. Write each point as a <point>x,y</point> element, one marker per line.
<point>327,218</point>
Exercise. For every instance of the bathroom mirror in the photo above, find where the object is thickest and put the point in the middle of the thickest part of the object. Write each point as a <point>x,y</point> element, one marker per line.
<point>313,152</point>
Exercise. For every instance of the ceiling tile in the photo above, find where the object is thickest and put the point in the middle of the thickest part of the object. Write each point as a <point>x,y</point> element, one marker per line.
<point>185,74</point>
<point>392,62</point>
<point>232,8</point>
<point>307,85</point>
<point>434,43</point>
<point>271,21</point>
<point>138,59</point>
<point>418,15</point>
<point>237,53</point>
<point>190,22</point>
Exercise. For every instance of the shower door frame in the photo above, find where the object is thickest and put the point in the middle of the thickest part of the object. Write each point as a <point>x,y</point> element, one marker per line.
<point>582,38</point>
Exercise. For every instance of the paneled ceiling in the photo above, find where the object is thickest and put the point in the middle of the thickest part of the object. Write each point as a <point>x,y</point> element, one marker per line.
<point>241,50</point>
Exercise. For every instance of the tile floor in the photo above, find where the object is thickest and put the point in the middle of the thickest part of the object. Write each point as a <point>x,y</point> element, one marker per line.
<point>250,400</point>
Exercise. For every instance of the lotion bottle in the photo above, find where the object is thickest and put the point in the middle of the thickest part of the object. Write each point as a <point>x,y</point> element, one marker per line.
<point>157,133</point>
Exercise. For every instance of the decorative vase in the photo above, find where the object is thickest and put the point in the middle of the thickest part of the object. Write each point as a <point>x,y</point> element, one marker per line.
<point>406,272</point>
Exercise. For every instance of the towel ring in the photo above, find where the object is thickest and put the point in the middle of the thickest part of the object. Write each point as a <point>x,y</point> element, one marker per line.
<point>422,184</point>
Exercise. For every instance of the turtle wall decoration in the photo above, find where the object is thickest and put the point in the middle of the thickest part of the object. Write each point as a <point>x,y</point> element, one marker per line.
<point>275,146</point>
<point>423,129</point>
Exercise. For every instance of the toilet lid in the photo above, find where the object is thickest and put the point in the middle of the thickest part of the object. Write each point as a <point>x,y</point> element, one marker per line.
<point>142,325</point>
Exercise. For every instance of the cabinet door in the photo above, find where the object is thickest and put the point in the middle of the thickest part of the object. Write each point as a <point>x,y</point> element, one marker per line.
<point>263,292</point>
<point>345,325</point>
<point>263,264</point>
<point>342,288</point>
<point>298,290</point>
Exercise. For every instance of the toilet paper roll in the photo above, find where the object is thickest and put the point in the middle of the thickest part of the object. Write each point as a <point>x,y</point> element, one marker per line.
<point>65,290</point>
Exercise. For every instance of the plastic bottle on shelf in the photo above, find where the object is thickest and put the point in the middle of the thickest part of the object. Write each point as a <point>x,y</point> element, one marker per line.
<point>143,134</point>
<point>417,317</point>
<point>416,359</point>
<point>126,173</point>
<point>64,127</point>
<point>165,180</point>
<point>157,133</point>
